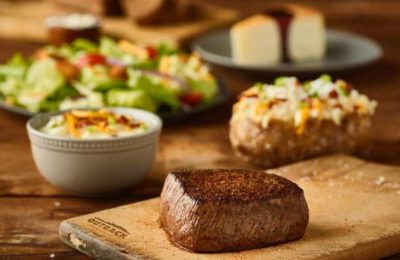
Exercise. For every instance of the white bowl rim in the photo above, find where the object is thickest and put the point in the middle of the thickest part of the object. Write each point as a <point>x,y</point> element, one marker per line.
<point>152,117</point>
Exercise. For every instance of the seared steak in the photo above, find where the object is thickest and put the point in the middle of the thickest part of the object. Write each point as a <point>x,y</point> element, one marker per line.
<point>231,210</point>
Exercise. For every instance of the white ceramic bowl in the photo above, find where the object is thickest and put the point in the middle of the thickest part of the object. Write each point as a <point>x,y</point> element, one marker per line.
<point>95,167</point>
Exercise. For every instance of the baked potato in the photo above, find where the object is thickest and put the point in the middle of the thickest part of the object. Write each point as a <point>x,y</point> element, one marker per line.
<point>288,121</point>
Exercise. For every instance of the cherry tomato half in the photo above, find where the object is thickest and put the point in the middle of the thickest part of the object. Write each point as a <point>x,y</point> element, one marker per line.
<point>151,52</point>
<point>90,60</point>
<point>191,98</point>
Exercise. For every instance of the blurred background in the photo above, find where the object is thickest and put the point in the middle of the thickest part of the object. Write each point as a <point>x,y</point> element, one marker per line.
<point>362,16</point>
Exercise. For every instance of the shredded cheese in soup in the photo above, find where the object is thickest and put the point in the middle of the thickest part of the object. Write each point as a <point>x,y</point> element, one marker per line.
<point>88,124</point>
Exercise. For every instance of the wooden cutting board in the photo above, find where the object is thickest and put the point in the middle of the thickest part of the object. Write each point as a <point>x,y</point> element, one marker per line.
<point>23,20</point>
<point>354,213</point>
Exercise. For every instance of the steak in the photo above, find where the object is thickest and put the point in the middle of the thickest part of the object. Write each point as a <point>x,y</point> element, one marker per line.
<point>231,210</point>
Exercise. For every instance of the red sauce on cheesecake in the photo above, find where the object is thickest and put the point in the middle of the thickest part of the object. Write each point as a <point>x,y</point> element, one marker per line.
<point>283,18</point>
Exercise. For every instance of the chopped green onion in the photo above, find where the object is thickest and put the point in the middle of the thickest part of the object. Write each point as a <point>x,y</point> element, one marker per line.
<point>91,129</point>
<point>112,121</point>
<point>259,86</point>
<point>326,78</point>
<point>303,104</point>
<point>281,81</point>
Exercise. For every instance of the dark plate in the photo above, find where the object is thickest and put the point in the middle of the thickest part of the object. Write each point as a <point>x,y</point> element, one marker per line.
<point>344,51</point>
<point>222,96</point>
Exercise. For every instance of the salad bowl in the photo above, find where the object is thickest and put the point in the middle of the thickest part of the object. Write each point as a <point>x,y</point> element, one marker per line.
<point>109,73</point>
<point>221,97</point>
<point>95,167</point>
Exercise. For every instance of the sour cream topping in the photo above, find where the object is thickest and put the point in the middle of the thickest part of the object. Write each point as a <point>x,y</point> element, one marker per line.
<point>73,21</point>
<point>289,100</point>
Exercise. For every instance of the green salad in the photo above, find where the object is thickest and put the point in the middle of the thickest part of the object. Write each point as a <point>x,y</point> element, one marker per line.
<point>88,75</point>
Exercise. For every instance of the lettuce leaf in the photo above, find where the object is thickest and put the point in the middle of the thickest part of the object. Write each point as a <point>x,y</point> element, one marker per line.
<point>109,48</point>
<point>15,67</point>
<point>131,98</point>
<point>166,49</point>
<point>154,89</point>
<point>11,86</point>
<point>43,76</point>
<point>84,44</point>
<point>208,88</point>
<point>92,77</point>
<point>92,100</point>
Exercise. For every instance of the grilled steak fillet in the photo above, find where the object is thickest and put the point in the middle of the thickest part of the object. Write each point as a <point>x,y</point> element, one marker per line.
<point>231,210</point>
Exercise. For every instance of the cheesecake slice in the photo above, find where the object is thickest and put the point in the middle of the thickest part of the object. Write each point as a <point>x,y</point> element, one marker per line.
<point>256,41</point>
<point>306,35</point>
<point>281,33</point>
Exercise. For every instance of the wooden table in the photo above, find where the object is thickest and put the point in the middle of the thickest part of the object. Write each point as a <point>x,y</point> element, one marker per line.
<point>31,209</point>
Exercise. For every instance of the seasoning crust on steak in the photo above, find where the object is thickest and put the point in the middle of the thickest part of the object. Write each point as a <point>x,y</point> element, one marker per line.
<point>231,210</point>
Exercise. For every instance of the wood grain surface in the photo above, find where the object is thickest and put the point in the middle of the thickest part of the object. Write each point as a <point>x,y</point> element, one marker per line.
<point>343,194</point>
<point>31,209</point>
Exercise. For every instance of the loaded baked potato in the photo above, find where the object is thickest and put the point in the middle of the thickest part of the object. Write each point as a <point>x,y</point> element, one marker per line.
<point>288,121</point>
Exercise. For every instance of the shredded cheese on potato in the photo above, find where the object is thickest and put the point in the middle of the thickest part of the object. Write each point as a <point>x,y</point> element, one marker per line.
<point>289,100</point>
